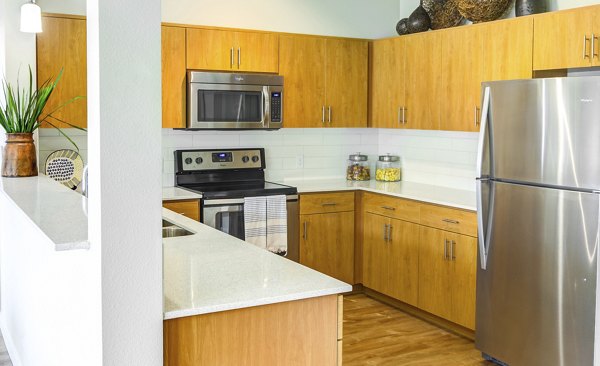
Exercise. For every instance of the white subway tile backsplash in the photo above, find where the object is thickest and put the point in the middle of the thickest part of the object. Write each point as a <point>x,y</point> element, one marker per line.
<point>432,157</point>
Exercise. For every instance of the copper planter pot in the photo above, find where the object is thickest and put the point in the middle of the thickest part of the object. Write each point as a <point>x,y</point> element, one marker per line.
<point>19,158</point>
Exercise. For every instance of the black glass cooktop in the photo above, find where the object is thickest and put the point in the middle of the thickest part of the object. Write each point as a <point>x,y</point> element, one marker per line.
<point>241,189</point>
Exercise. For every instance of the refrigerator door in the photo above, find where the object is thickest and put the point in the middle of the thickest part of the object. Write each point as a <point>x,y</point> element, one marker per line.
<point>536,297</point>
<point>545,131</point>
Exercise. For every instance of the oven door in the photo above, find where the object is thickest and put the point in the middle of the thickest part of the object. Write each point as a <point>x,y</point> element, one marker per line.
<point>225,215</point>
<point>228,106</point>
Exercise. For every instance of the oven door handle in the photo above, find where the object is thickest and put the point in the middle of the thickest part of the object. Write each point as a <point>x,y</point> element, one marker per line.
<point>236,201</point>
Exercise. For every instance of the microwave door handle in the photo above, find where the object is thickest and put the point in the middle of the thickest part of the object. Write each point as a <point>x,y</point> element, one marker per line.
<point>239,111</point>
<point>266,107</point>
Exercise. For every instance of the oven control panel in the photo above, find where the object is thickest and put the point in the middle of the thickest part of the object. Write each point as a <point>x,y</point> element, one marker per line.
<point>194,160</point>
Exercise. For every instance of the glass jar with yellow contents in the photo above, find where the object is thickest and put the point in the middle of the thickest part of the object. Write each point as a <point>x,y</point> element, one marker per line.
<point>388,169</point>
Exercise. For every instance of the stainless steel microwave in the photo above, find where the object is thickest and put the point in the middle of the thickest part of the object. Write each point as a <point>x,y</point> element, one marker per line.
<point>221,101</point>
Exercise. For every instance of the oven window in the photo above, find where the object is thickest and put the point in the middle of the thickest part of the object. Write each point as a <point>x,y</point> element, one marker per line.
<point>229,106</point>
<point>231,223</point>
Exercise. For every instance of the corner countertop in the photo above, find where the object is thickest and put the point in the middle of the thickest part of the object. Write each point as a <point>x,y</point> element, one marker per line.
<point>211,271</point>
<point>415,191</point>
<point>176,194</point>
<point>59,212</point>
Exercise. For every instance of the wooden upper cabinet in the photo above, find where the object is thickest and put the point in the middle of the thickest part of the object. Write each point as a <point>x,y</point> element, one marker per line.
<point>224,50</point>
<point>347,65</point>
<point>563,39</point>
<point>62,46</point>
<point>326,81</point>
<point>173,77</point>
<point>596,33</point>
<point>461,75</point>
<point>508,49</point>
<point>423,71</point>
<point>387,83</point>
<point>302,64</point>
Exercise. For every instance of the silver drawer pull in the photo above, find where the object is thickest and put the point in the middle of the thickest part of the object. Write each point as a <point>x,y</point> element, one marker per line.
<point>329,204</point>
<point>388,208</point>
<point>450,221</point>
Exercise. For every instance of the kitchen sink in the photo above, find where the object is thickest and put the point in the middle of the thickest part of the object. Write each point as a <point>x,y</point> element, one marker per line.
<point>170,230</point>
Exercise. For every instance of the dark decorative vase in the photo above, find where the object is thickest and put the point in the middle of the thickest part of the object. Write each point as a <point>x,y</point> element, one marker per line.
<point>19,157</point>
<point>528,7</point>
<point>402,27</point>
<point>419,21</point>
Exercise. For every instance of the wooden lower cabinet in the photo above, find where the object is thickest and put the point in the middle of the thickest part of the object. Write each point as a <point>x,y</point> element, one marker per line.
<point>188,208</point>
<point>391,257</point>
<point>327,244</point>
<point>447,272</point>
<point>303,332</point>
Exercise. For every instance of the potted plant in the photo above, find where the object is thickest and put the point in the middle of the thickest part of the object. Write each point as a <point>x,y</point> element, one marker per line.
<point>20,116</point>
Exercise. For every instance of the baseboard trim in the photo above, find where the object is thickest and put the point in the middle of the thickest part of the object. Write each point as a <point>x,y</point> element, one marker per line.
<point>418,313</point>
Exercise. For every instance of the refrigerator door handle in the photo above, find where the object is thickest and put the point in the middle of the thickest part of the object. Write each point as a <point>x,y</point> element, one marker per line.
<point>481,230</point>
<point>483,129</point>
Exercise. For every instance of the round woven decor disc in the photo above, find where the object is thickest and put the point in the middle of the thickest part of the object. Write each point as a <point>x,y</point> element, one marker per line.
<point>443,13</point>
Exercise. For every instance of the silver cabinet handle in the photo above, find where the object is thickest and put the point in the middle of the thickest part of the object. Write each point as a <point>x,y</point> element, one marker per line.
<point>385,237</point>
<point>328,204</point>
<point>399,115</point>
<point>231,57</point>
<point>594,54</point>
<point>585,41</point>
<point>450,221</point>
<point>476,116</point>
<point>305,235</point>
<point>323,115</point>
<point>239,57</point>
<point>445,249</point>
<point>404,115</point>
<point>452,244</point>
<point>329,114</point>
<point>388,208</point>
<point>390,233</point>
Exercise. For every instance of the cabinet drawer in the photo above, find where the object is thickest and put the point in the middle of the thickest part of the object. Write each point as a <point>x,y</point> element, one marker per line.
<point>396,208</point>
<point>188,208</point>
<point>449,219</point>
<point>326,202</point>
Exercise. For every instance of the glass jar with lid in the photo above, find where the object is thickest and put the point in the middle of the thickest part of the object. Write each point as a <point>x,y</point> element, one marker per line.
<point>358,167</point>
<point>388,169</point>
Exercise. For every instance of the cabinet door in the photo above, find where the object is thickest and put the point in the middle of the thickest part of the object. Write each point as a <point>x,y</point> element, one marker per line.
<point>403,245</point>
<point>387,83</point>
<point>463,271</point>
<point>327,244</point>
<point>461,73</point>
<point>173,77</point>
<point>376,263</point>
<point>508,49</point>
<point>434,282</point>
<point>302,65</point>
<point>347,67</point>
<point>188,208</point>
<point>209,49</point>
<point>562,39</point>
<point>423,70</point>
<point>62,46</point>
<point>257,52</point>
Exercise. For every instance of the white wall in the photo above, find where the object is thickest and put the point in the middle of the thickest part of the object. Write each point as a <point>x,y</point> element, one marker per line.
<point>124,119</point>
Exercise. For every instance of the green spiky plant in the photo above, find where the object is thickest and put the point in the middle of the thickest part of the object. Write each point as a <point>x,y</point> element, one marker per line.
<point>23,108</point>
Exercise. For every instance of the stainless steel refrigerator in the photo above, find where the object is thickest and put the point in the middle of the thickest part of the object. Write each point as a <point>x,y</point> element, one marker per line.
<point>538,197</point>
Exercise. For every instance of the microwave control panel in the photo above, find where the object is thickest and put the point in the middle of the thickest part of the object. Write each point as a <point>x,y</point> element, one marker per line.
<point>276,106</point>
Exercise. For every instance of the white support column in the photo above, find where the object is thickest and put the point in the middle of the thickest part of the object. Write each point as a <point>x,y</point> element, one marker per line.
<point>124,137</point>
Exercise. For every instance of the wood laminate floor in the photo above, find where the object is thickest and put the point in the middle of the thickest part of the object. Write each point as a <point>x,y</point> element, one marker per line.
<point>378,334</point>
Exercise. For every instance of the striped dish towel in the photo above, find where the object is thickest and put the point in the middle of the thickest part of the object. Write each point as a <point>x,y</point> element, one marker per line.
<point>277,225</point>
<point>255,221</point>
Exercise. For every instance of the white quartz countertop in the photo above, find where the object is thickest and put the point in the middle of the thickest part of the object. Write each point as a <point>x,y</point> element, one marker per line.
<point>58,211</point>
<point>416,191</point>
<point>176,194</point>
<point>211,271</point>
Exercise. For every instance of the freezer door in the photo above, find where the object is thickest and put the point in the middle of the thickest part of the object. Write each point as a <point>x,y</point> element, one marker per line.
<point>546,131</point>
<point>536,297</point>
